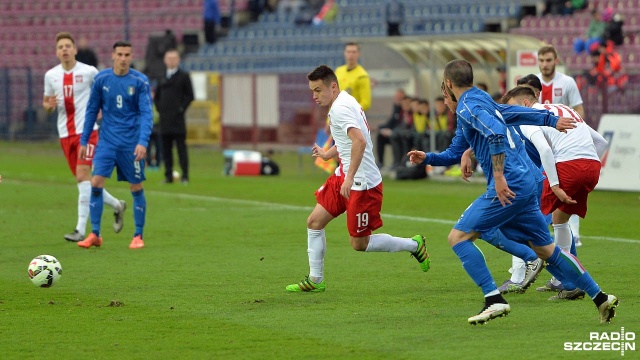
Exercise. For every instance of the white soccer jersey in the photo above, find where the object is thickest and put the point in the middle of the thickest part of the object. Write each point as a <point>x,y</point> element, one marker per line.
<point>576,144</point>
<point>346,113</point>
<point>562,89</point>
<point>72,89</point>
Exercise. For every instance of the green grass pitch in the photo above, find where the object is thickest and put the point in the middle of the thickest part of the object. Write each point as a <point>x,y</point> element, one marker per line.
<point>219,252</point>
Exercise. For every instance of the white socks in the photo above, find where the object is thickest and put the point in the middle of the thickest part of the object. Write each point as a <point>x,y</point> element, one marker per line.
<point>316,246</point>
<point>388,243</point>
<point>518,269</point>
<point>110,200</point>
<point>84,194</point>
<point>562,234</point>
<point>574,224</point>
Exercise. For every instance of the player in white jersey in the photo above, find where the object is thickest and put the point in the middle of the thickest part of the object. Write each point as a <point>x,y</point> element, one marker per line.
<point>558,88</point>
<point>355,188</point>
<point>67,87</point>
<point>572,165</point>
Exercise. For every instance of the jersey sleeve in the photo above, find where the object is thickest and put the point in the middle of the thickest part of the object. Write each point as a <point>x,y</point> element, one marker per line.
<point>145,110</point>
<point>522,115</point>
<point>536,135</point>
<point>573,94</point>
<point>48,86</point>
<point>91,116</point>
<point>452,154</point>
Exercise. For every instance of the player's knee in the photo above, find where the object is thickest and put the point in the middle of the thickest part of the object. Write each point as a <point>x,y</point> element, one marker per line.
<point>313,223</point>
<point>359,243</point>
<point>135,187</point>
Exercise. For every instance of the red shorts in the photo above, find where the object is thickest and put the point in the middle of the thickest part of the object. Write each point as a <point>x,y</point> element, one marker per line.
<point>71,148</point>
<point>362,207</point>
<point>577,178</point>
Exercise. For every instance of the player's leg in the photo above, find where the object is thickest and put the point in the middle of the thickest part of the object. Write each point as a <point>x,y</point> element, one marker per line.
<point>567,266</point>
<point>95,212</point>
<point>574,224</point>
<point>363,217</point>
<point>69,147</point>
<point>484,215</point>
<point>330,204</point>
<point>131,170</point>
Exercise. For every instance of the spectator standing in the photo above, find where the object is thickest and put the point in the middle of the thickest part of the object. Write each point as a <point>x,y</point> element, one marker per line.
<point>211,20</point>
<point>394,14</point>
<point>386,130</point>
<point>172,98</point>
<point>613,27</point>
<point>86,54</point>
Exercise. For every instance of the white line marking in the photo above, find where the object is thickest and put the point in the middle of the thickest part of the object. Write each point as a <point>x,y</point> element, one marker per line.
<point>309,208</point>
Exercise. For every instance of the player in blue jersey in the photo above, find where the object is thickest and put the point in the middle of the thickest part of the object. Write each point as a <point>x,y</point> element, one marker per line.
<point>517,212</point>
<point>123,95</point>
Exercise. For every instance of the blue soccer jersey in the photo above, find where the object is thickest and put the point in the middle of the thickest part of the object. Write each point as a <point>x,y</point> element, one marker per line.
<point>482,125</point>
<point>127,115</point>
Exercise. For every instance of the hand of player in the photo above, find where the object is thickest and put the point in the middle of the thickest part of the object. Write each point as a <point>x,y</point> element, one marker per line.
<point>140,152</point>
<point>565,123</point>
<point>503,191</point>
<point>82,153</point>
<point>318,151</point>
<point>345,189</point>
<point>50,103</point>
<point>416,156</point>
<point>467,165</point>
<point>562,195</point>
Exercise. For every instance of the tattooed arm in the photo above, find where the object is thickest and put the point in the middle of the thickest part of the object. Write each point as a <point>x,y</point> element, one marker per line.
<point>502,189</point>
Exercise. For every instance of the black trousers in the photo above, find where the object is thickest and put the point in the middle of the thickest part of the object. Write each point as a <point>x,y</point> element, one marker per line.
<point>167,155</point>
<point>210,31</point>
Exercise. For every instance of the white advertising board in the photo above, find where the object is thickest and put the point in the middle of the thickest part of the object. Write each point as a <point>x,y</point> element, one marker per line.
<point>621,161</point>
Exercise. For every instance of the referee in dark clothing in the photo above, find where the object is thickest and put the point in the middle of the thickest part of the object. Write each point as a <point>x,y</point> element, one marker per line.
<point>173,95</point>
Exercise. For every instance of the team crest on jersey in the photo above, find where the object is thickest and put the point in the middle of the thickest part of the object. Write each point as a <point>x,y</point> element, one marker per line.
<point>78,79</point>
<point>557,92</point>
<point>131,90</point>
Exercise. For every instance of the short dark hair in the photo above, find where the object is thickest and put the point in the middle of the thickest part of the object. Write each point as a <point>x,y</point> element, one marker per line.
<point>121,43</point>
<point>324,73</point>
<point>548,49</point>
<point>519,91</point>
<point>531,80</point>
<point>459,72</point>
<point>65,35</point>
<point>439,98</point>
<point>352,43</point>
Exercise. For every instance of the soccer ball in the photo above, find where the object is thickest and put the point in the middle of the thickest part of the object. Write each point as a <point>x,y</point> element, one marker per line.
<point>44,270</point>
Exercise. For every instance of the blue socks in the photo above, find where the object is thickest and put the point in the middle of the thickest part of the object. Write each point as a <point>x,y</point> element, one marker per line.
<point>573,272</point>
<point>139,210</point>
<point>96,204</point>
<point>474,264</point>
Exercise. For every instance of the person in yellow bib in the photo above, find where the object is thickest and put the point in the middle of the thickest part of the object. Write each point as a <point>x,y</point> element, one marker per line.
<point>353,79</point>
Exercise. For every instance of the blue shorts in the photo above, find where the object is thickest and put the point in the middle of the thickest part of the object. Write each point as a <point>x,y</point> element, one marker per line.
<point>521,221</point>
<point>107,157</point>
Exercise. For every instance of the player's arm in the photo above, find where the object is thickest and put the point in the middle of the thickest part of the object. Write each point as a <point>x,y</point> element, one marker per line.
<point>450,156</point>
<point>358,145</point>
<point>536,136</point>
<point>497,149</point>
<point>522,115</point>
<point>580,110</point>
<point>364,84</point>
<point>468,163</point>
<point>145,112</point>
<point>599,141</point>
<point>91,115</point>
<point>318,151</point>
<point>49,98</point>
<point>549,164</point>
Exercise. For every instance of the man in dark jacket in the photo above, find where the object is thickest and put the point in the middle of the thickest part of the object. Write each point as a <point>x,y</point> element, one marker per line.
<point>173,96</point>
